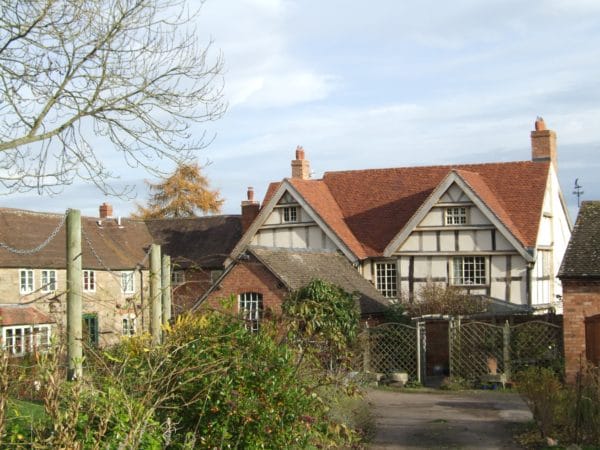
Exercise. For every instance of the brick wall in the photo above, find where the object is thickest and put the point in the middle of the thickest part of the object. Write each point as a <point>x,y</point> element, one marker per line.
<point>581,299</point>
<point>250,276</point>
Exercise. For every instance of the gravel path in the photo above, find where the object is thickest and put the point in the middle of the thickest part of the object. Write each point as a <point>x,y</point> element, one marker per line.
<point>465,420</point>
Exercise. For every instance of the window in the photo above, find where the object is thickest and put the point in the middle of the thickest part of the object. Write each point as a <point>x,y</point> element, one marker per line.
<point>456,216</point>
<point>386,279</point>
<point>26,281</point>
<point>177,277</point>
<point>48,280</point>
<point>90,329</point>
<point>251,309</point>
<point>469,270</point>
<point>290,214</point>
<point>127,282</point>
<point>128,325</point>
<point>89,280</point>
<point>23,339</point>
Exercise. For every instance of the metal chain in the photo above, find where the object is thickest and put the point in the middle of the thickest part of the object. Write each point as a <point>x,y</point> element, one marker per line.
<point>87,239</point>
<point>31,251</point>
<point>89,243</point>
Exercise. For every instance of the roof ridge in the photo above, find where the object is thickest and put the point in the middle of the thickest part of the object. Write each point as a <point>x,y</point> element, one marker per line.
<point>435,166</point>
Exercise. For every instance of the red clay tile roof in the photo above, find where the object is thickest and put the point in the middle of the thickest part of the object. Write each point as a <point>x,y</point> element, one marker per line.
<point>582,258</point>
<point>368,208</point>
<point>377,203</point>
<point>22,315</point>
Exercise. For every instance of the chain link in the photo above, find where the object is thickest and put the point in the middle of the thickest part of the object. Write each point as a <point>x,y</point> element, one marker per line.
<point>104,266</point>
<point>31,251</point>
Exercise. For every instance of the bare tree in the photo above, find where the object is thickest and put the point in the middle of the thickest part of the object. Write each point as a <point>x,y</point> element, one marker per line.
<point>79,75</point>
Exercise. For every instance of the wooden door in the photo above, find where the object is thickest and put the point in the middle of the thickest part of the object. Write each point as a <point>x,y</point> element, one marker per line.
<point>592,339</point>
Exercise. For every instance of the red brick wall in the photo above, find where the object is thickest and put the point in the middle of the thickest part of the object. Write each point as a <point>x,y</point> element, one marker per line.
<point>580,300</point>
<point>250,276</point>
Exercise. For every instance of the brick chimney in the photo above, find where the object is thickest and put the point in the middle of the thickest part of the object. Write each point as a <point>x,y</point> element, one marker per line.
<point>300,166</point>
<point>250,209</point>
<point>106,210</point>
<point>543,143</point>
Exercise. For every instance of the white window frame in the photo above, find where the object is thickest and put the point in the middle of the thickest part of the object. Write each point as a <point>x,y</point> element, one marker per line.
<point>177,277</point>
<point>456,215</point>
<point>290,214</point>
<point>386,278</point>
<point>469,271</point>
<point>19,340</point>
<point>250,306</point>
<point>128,325</point>
<point>127,282</point>
<point>89,280</point>
<point>26,283</point>
<point>49,280</point>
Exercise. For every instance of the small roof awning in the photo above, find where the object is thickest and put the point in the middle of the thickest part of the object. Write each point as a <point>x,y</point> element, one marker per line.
<point>11,315</point>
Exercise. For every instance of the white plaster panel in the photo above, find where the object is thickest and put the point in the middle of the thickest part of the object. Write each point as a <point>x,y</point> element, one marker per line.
<point>518,292</point>
<point>434,218</point>
<point>466,241</point>
<point>484,240</point>
<point>314,237</point>
<point>545,231</point>
<point>329,245</point>
<point>497,289</point>
<point>274,217</point>
<point>502,243</point>
<point>299,237</point>
<point>447,241</point>
<point>422,267</point>
<point>438,267</point>
<point>411,244</point>
<point>477,217</point>
<point>282,237</point>
<point>429,241</point>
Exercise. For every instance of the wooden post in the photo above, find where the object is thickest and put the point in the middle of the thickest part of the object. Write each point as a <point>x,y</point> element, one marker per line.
<point>166,288</point>
<point>155,294</point>
<point>419,368</point>
<point>74,296</point>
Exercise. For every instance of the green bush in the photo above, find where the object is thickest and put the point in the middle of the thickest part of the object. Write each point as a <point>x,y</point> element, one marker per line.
<point>569,413</point>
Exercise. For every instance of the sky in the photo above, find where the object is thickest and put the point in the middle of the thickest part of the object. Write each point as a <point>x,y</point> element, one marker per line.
<point>387,83</point>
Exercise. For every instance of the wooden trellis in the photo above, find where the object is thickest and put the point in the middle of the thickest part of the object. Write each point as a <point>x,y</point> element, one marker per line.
<point>392,347</point>
<point>477,348</point>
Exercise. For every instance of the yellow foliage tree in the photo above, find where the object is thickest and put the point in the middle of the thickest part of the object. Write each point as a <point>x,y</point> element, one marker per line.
<point>181,194</point>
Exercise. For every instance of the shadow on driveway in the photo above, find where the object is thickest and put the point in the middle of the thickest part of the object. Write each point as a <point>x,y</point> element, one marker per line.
<point>433,420</point>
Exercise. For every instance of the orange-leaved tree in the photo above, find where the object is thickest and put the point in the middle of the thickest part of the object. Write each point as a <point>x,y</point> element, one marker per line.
<point>182,194</point>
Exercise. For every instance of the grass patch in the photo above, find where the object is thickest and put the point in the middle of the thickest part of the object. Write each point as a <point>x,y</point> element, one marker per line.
<point>355,413</point>
<point>26,411</point>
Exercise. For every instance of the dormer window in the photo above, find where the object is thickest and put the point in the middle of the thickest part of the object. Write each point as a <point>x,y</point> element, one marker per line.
<point>290,214</point>
<point>456,215</point>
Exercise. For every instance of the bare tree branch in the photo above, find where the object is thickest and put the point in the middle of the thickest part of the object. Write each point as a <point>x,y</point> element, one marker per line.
<point>79,75</point>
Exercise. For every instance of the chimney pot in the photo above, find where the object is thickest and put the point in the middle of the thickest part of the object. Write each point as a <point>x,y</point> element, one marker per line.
<point>250,194</point>
<point>299,152</point>
<point>540,124</point>
<point>106,210</point>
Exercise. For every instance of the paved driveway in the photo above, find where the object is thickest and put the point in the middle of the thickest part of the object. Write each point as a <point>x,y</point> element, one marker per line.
<point>465,420</point>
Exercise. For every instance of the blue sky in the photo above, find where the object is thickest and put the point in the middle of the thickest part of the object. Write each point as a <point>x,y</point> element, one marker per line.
<point>388,84</point>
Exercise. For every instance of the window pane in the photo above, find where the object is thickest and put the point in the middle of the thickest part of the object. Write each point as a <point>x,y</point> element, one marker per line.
<point>386,279</point>
<point>251,309</point>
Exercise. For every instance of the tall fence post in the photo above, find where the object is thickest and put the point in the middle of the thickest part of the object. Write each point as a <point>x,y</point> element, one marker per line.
<point>366,345</point>
<point>165,272</point>
<point>506,350</point>
<point>74,296</point>
<point>419,368</point>
<point>155,294</point>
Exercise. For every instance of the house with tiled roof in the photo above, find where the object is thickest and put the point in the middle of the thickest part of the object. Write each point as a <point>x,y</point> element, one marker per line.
<point>580,276</point>
<point>497,230</point>
<point>33,277</point>
<point>115,267</point>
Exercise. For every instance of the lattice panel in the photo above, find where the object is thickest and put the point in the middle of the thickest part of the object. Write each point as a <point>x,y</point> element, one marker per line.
<point>475,348</point>
<point>535,343</point>
<point>390,348</point>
